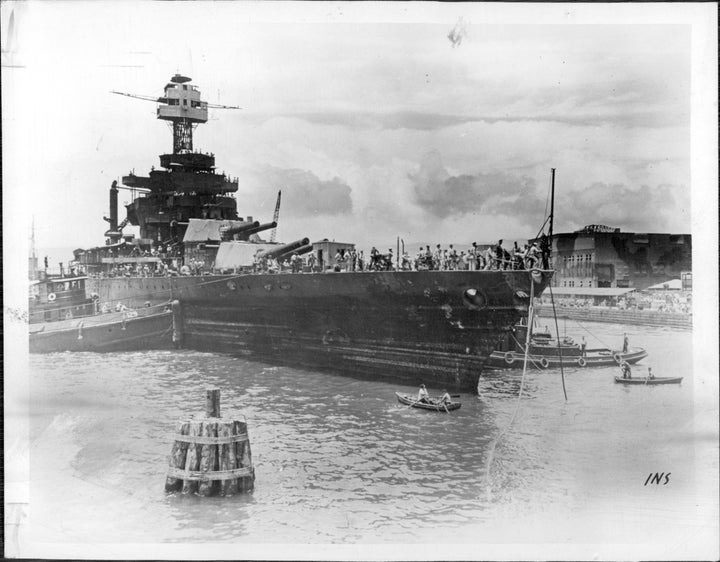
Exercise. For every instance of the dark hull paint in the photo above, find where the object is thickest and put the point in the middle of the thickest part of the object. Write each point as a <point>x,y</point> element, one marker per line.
<point>409,326</point>
<point>101,334</point>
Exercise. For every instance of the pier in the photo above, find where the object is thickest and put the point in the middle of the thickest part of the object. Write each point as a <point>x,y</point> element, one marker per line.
<point>677,320</point>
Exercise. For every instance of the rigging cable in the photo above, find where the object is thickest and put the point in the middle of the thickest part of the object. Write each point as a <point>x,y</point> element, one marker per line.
<point>593,335</point>
<point>491,456</point>
<point>557,332</point>
<point>547,215</point>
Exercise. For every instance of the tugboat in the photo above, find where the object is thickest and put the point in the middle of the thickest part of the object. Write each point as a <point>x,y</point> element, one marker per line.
<point>62,317</point>
<point>59,298</point>
<point>432,325</point>
<point>545,352</point>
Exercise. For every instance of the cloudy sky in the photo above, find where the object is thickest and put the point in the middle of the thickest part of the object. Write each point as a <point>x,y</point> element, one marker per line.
<point>428,122</point>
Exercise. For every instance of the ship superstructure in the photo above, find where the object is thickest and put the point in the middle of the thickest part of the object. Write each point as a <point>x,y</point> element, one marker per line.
<point>187,185</point>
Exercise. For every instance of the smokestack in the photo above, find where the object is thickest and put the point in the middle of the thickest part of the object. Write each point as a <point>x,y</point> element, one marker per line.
<point>113,206</point>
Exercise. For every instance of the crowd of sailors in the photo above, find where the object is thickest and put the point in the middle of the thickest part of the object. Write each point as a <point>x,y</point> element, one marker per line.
<point>493,257</point>
<point>490,257</point>
<point>157,269</point>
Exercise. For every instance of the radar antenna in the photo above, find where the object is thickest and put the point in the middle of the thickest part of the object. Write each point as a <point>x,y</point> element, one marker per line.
<point>181,105</point>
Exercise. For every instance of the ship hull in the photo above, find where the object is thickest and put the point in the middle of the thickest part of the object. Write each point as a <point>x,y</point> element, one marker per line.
<point>410,326</point>
<point>103,333</point>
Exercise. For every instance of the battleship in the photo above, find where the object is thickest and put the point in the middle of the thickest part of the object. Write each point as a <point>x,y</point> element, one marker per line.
<point>422,325</point>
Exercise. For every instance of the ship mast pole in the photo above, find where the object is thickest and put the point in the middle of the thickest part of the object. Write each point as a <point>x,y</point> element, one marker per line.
<point>397,257</point>
<point>552,202</point>
<point>552,297</point>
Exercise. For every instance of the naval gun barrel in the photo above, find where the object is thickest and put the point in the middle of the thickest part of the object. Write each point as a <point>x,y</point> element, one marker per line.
<point>285,249</point>
<point>260,228</point>
<point>239,229</point>
<point>299,251</point>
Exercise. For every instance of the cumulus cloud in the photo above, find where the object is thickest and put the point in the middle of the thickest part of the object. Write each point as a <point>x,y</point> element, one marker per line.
<point>443,195</point>
<point>302,191</point>
<point>646,209</point>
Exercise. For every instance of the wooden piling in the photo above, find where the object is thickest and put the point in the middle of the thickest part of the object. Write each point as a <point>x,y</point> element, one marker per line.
<point>177,458</point>
<point>193,458</point>
<point>212,403</point>
<point>208,458</point>
<point>243,458</point>
<point>211,456</point>
<point>226,453</point>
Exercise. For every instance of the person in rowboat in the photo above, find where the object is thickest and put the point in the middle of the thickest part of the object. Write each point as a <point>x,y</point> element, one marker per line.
<point>626,372</point>
<point>445,398</point>
<point>423,395</point>
<point>650,375</point>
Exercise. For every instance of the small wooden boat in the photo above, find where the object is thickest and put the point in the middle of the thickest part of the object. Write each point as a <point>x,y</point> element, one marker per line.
<point>645,380</point>
<point>435,403</point>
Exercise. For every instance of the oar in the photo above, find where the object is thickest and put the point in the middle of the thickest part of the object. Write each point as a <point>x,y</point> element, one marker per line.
<point>413,403</point>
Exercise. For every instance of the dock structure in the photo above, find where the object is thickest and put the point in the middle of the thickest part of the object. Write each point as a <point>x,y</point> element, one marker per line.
<point>211,456</point>
<point>676,320</point>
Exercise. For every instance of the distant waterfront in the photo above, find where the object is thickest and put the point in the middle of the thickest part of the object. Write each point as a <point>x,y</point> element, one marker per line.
<point>632,317</point>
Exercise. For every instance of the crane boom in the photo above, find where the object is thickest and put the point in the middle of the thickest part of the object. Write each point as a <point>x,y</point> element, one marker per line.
<point>276,215</point>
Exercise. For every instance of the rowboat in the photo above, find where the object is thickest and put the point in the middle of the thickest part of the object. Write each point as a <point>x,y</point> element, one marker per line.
<point>645,380</point>
<point>435,403</point>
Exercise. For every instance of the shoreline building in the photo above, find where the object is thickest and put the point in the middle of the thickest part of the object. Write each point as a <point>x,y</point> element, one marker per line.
<point>600,256</point>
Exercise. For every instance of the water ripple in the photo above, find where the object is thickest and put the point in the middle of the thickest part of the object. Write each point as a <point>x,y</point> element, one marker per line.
<point>338,460</point>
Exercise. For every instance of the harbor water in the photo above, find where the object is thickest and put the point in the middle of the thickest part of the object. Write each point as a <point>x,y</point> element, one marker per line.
<point>339,461</point>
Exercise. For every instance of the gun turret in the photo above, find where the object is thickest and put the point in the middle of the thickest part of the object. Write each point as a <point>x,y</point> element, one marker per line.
<point>285,249</point>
